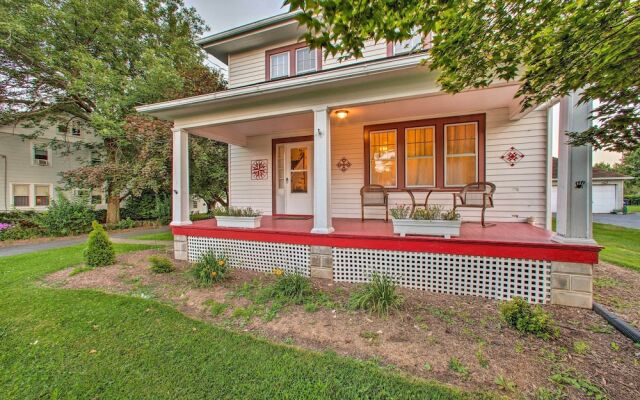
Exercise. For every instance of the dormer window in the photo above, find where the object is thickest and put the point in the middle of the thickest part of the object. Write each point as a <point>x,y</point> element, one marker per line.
<point>279,65</point>
<point>295,59</point>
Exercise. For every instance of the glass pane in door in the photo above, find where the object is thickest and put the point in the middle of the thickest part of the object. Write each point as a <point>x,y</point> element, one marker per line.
<point>299,163</point>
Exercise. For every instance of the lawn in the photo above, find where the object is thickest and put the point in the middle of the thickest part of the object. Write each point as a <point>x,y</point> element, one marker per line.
<point>622,245</point>
<point>167,235</point>
<point>58,343</point>
<point>633,209</point>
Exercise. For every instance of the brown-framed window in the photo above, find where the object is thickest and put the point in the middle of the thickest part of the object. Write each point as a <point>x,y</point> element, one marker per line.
<point>435,154</point>
<point>295,59</point>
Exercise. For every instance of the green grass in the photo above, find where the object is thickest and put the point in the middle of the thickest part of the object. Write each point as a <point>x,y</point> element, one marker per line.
<point>633,209</point>
<point>621,245</point>
<point>154,236</point>
<point>60,343</point>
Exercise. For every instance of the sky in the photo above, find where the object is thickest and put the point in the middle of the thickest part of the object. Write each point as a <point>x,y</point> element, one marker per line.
<point>221,15</point>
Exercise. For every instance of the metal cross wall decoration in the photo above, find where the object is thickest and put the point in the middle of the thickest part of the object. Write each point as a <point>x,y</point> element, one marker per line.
<point>258,170</point>
<point>344,164</point>
<point>512,156</point>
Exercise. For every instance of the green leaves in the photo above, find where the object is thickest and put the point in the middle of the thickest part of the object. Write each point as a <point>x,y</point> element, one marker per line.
<point>552,47</point>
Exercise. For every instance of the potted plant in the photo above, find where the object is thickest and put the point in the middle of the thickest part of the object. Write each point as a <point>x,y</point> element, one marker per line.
<point>237,217</point>
<point>433,221</point>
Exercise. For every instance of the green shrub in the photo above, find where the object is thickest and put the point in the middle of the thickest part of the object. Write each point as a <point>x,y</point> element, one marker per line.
<point>527,318</point>
<point>127,223</point>
<point>291,287</point>
<point>378,296</point>
<point>161,265</point>
<point>65,217</point>
<point>18,232</point>
<point>99,251</point>
<point>199,216</point>
<point>209,269</point>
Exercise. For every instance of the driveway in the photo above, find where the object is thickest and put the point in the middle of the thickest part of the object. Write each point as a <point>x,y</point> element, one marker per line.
<point>627,221</point>
<point>54,244</point>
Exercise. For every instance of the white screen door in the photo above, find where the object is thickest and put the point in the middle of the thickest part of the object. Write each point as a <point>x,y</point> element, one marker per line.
<point>298,178</point>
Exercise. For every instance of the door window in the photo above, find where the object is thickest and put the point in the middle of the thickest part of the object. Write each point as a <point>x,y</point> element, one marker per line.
<point>299,169</point>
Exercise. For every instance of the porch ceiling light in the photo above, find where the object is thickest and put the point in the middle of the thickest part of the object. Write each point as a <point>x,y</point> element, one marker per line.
<point>342,114</point>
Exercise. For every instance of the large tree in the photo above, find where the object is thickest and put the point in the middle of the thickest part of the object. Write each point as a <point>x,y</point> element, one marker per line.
<point>552,46</point>
<point>94,61</point>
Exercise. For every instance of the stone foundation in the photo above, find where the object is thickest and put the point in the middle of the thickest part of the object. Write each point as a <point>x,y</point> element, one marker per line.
<point>572,284</point>
<point>321,262</point>
<point>180,247</point>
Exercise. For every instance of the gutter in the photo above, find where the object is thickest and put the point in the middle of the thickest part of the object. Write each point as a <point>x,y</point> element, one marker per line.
<point>331,75</point>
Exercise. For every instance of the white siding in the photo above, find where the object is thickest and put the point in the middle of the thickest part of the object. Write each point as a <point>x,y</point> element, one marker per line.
<point>520,189</point>
<point>248,67</point>
<point>244,192</point>
<point>20,169</point>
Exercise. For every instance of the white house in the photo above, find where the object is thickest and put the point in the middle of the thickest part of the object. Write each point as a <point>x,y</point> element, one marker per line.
<point>607,190</point>
<point>31,164</point>
<point>306,133</point>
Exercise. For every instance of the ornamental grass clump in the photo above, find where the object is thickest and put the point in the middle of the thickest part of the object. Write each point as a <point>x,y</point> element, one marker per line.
<point>528,319</point>
<point>209,269</point>
<point>293,288</point>
<point>161,265</point>
<point>379,296</point>
<point>99,251</point>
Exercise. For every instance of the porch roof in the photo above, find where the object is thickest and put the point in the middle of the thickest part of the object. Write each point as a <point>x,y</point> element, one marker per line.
<point>510,240</point>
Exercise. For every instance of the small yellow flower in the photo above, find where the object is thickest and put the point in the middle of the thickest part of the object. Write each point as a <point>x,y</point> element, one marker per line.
<point>214,274</point>
<point>221,262</point>
<point>278,272</point>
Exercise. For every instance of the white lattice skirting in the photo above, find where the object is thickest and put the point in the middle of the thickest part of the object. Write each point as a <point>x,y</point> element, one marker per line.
<point>496,278</point>
<point>257,256</point>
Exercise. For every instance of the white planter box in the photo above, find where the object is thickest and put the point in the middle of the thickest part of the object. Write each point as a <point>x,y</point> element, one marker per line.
<point>238,222</point>
<point>426,227</point>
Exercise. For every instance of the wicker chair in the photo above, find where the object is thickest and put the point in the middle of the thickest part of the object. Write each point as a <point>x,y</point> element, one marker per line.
<point>374,196</point>
<point>476,195</point>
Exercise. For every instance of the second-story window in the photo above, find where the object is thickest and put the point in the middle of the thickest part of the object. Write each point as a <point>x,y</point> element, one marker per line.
<point>279,65</point>
<point>305,60</point>
<point>415,43</point>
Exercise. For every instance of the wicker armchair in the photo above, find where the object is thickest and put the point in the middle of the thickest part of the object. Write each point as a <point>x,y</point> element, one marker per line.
<point>475,195</point>
<point>374,196</point>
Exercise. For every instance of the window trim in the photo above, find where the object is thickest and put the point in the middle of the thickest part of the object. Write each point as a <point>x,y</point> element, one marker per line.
<point>396,159</point>
<point>445,154</point>
<point>32,195</point>
<point>434,156</point>
<point>438,154</point>
<point>291,49</point>
<point>33,154</point>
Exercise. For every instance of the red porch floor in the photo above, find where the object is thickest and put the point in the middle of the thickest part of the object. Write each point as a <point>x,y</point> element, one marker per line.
<point>511,240</point>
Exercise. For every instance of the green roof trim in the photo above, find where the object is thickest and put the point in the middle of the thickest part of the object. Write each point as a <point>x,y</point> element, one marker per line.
<point>248,28</point>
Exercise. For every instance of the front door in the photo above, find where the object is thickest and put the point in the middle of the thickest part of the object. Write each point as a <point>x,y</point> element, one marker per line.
<point>296,178</point>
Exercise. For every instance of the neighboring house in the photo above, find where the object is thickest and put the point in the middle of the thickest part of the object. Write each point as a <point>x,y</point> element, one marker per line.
<point>305,133</point>
<point>607,190</point>
<point>31,164</point>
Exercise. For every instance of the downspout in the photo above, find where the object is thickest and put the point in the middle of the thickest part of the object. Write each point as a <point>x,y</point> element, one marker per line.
<point>4,157</point>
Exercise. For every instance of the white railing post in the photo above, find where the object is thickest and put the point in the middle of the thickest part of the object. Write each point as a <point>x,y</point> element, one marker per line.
<point>574,174</point>
<point>180,194</point>
<point>321,171</point>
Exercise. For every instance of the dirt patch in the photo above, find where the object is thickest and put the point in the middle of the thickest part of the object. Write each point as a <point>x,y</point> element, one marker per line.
<point>619,290</point>
<point>453,339</point>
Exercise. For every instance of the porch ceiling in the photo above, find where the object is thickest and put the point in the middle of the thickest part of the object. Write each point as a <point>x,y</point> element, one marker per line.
<point>433,105</point>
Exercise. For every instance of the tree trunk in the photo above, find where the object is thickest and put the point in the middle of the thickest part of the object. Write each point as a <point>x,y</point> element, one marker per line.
<point>113,209</point>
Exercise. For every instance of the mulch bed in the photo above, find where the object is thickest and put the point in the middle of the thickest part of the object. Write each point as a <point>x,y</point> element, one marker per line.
<point>422,338</point>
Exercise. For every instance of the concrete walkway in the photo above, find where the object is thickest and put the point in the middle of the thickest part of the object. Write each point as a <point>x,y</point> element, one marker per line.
<point>627,221</point>
<point>122,237</point>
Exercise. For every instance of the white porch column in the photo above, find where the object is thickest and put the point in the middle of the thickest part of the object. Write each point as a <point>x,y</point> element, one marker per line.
<point>180,206</point>
<point>321,171</point>
<point>574,175</point>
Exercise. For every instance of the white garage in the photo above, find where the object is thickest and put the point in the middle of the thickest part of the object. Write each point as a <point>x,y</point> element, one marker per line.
<point>607,190</point>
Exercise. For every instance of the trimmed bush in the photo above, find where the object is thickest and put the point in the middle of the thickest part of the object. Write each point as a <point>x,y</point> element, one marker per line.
<point>527,318</point>
<point>379,296</point>
<point>161,265</point>
<point>209,269</point>
<point>65,217</point>
<point>99,251</point>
